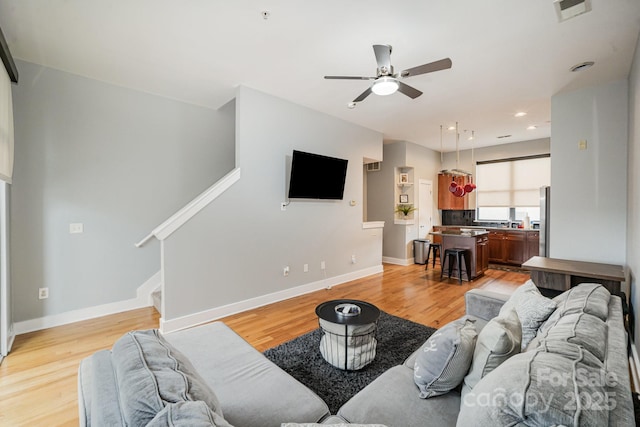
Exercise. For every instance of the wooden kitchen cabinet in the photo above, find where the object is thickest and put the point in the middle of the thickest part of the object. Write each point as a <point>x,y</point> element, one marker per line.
<point>482,254</point>
<point>446,200</point>
<point>515,247</point>
<point>533,244</point>
<point>512,247</point>
<point>495,249</point>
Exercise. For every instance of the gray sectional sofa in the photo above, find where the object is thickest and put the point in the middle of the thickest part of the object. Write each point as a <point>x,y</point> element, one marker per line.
<point>210,376</point>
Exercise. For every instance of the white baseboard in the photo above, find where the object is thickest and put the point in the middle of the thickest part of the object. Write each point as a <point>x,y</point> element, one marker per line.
<point>397,261</point>
<point>143,299</point>
<point>188,321</point>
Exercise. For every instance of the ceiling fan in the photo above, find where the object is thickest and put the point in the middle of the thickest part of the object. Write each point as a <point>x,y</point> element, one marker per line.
<point>386,82</point>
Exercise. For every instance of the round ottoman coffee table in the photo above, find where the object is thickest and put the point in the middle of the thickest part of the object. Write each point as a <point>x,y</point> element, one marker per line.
<point>348,333</point>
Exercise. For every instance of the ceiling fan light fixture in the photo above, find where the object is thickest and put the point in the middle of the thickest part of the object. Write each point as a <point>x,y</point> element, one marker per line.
<point>385,86</point>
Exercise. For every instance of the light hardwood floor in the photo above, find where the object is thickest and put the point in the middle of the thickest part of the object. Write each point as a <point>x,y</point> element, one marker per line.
<point>38,380</point>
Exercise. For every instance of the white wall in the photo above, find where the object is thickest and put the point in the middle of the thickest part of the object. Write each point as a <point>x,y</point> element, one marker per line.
<point>117,160</point>
<point>398,238</point>
<point>232,253</point>
<point>381,203</point>
<point>589,187</point>
<point>633,202</point>
<point>426,165</point>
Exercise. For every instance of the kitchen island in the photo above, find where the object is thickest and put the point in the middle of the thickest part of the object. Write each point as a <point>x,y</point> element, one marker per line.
<point>474,240</point>
<point>511,246</point>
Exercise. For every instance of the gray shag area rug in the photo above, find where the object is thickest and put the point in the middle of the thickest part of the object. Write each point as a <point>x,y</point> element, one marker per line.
<point>301,358</point>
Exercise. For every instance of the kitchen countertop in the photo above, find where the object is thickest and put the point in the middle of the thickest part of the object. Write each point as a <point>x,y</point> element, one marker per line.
<point>470,233</point>
<point>476,227</point>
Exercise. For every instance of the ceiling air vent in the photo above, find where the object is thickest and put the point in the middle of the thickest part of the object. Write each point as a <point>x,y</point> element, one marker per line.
<point>373,167</point>
<point>567,9</point>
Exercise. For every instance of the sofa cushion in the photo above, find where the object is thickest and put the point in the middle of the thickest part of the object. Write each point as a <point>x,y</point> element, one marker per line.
<point>253,391</point>
<point>188,414</point>
<point>391,399</point>
<point>539,389</point>
<point>591,298</point>
<point>582,329</point>
<point>575,330</point>
<point>151,373</point>
<point>497,342</point>
<point>444,359</point>
<point>532,307</point>
<point>97,391</point>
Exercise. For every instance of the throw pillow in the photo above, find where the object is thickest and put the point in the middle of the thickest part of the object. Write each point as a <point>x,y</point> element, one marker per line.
<point>498,340</point>
<point>188,414</point>
<point>151,373</point>
<point>532,307</point>
<point>444,359</point>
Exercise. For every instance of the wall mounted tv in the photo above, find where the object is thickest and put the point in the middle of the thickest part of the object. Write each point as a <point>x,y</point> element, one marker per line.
<point>316,177</point>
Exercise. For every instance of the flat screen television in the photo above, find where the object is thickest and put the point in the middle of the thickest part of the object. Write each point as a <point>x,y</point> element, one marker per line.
<point>316,177</point>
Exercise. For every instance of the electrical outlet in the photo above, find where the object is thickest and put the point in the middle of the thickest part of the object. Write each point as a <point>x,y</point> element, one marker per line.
<point>285,271</point>
<point>322,265</point>
<point>353,259</point>
<point>43,293</point>
<point>305,268</point>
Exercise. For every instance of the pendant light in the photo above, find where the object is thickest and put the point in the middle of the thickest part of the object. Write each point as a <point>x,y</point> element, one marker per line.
<point>456,189</point>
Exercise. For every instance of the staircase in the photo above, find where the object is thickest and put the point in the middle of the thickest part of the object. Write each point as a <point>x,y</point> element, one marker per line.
<point>156,297</point>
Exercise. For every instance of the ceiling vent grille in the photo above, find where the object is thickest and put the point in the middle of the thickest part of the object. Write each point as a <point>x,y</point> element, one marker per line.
<point>373,167</point>
<point>567,9</point>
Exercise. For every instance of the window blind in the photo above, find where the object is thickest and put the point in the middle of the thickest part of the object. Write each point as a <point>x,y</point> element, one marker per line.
<point>6,127</point>
<point>512,183</point>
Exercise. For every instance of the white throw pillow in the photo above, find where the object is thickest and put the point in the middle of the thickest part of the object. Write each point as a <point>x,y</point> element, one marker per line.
<point>498,340</point>
<point>532,307</point>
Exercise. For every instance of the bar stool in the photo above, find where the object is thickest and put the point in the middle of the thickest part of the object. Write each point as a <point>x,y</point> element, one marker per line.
<point>436,249</point>
<point>456,254</point>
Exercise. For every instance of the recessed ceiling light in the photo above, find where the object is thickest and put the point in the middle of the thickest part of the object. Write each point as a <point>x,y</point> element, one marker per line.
<point>532,127</point>
<point>582,66</point>
<point>520,114</point>
<point>351,105</point>
<point>451,128</point>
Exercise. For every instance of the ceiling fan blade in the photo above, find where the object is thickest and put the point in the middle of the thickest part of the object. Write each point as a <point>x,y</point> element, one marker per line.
<point>442,64</point>
<point>363,95</point>
<point>411,92</point>
<point>348,78</point>
<point>383,55</point>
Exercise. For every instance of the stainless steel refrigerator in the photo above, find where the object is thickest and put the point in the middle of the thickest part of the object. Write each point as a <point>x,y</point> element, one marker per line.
<point>545,199</point>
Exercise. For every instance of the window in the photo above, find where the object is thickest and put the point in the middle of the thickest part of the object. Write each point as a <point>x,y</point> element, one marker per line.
<point>488,213</point>
<point>510,189</point>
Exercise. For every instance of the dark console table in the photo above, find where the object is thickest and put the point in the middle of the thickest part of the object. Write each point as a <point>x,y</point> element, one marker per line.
<point>561,274</point>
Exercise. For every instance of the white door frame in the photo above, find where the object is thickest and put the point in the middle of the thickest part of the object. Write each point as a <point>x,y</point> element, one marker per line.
<point>425,219</point>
